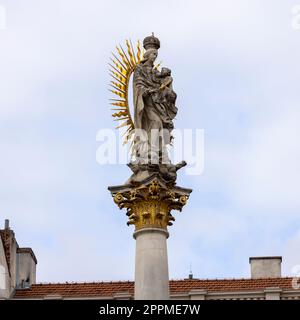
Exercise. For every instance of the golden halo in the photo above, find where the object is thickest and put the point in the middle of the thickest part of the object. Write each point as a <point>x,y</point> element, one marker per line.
<point>121,69</point>
<point>120,72</point>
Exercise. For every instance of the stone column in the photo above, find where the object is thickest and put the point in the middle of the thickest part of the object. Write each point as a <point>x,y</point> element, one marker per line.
<point>151,264</point>
<point>149,205</point>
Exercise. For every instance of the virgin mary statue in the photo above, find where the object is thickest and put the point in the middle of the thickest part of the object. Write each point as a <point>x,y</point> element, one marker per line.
<point>154,107</point>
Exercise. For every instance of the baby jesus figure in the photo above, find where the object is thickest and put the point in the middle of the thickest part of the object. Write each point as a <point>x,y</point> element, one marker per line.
<point>166,86</point>
<point>168,96</point>
<point>165,98</point>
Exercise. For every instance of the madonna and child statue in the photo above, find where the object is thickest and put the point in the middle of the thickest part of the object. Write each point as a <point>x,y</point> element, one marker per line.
<point>150,195</point>
<point>150,128</point>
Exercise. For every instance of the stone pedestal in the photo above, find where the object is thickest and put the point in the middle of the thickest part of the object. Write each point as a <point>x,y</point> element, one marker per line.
<point>149,204</point>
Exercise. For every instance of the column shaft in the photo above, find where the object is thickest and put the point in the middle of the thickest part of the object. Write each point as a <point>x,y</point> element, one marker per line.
<point>151,265</point>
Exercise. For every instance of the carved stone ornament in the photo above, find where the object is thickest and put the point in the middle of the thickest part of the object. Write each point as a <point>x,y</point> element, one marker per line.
<point>150,204</point>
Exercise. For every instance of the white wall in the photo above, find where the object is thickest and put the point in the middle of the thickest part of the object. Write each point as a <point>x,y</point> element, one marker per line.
<point>4,275</point>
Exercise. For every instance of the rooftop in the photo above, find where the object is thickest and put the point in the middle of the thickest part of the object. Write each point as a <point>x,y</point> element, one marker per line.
<point>109,289</point>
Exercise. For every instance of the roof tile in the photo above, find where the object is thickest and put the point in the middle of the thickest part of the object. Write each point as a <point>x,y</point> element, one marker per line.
<point>108,289</point>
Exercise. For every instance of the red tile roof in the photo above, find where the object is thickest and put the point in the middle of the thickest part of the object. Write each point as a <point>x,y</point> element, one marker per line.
<point>97,289</point>
<point>108,289</point>
<point>219,285</point>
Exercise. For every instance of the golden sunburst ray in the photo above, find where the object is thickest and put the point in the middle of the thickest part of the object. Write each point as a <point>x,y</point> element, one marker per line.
<point>119,104</point>
<point>122,66</point>
<point>118,78</point>
<point>118,100</point>
<point>120,62</point>
<point>126,123</point>
<point>118,93</point>
<point>130,53</point>
<point>138,54</point>
<point>119,66</point>
<point>118,85</point>
<point>124,57</point>
<point>133,52</point>
<point>116,109</point>
<point>117,72</point>
<point>124,118</point>
<point>120,114</point>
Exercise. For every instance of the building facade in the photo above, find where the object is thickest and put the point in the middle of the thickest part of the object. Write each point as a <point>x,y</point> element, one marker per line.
<point>18,281</point>
<point>17,264</point>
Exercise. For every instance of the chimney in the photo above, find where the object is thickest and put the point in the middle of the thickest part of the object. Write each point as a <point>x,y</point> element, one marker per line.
<point>26,267</point>
<point>6,225</point>
<point>265,267</point>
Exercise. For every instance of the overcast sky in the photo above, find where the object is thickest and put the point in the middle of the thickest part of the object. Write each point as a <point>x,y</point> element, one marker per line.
<point>236,71</point>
